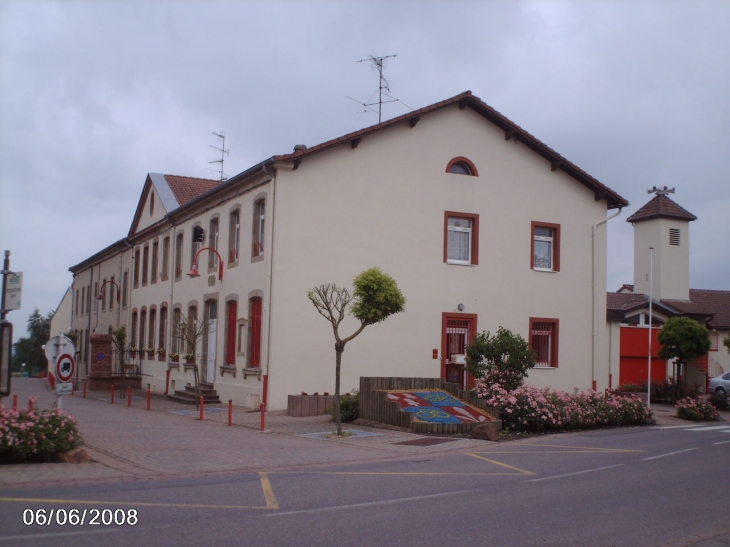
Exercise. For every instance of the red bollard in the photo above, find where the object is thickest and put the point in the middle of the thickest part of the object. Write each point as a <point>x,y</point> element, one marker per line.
<point>84,389</point>
<point>167,382</point>
<point>263,416</point>
<point>112,393</point>
<point>15,402</point>
<point>129,396</point>
<point>30,403</point>
<point>149,399</point>
<point>202,405</point>
<point>230,412</point>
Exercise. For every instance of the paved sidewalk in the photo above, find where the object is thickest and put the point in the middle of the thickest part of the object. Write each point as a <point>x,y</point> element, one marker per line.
<point>129,443</point>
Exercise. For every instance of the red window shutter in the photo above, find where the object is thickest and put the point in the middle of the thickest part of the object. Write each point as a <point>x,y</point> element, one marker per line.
<point>256,333</point>
<point>232,322</point>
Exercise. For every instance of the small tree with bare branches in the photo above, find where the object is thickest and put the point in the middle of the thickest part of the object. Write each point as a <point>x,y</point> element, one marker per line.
<point>376,297</point>
<point>191,333</point>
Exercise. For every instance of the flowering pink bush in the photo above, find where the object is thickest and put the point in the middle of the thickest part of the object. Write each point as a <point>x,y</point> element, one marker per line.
<point>692,408</point>
<point>36,435</point>
<point>532,409</point>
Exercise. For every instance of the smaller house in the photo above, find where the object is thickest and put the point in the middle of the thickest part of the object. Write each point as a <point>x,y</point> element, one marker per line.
<point>661,246</point>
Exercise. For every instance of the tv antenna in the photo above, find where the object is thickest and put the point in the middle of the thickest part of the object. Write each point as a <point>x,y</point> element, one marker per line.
<point>222,150</point>
<point>660,191</point>
<point>378,63</point>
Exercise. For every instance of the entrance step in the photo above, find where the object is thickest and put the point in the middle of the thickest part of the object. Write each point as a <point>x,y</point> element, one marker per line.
<point>188,396</point>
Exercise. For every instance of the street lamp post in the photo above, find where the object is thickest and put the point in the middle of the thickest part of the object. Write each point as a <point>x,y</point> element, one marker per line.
<point>193,273</point>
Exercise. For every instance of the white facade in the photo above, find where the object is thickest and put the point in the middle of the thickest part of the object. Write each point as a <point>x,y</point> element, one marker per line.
<point>382,197</point>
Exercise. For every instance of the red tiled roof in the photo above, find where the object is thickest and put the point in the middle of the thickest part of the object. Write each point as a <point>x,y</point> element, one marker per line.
<point>626,288</point>
<point>186,189</point>
<point>706,302</point>
<point>513,130</point>
<point>701,302</point>
<point>661,207</point>
<point>625,301</point>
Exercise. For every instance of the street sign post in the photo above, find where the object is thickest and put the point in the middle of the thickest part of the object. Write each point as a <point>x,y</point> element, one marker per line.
<point>65,388</point>
<point>6,356</point>
<point>60,353</point>
<point>13,291</point>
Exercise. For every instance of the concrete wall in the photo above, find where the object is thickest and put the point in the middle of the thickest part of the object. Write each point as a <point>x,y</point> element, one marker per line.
<point>670,262</point>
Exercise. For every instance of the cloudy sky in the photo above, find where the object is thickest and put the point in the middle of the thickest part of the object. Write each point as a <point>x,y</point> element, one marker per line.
<point>94,95</point>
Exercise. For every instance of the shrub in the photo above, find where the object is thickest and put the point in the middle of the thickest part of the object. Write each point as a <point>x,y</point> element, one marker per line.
<point>692,408</point>
<point>506,355</point>
<point>532,409</point>
<point>719,401</point>
<point>349,407</point>
<point>36,435</point>
<point>630,387</point>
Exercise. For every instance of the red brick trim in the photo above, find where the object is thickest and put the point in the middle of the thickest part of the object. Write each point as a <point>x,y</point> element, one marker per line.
<point>554,350</point>
<point>474,234</point>
<point>556,243</point>
<point>466,161</point>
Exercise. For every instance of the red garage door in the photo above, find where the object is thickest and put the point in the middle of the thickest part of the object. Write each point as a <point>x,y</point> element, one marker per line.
<point>634,356</point>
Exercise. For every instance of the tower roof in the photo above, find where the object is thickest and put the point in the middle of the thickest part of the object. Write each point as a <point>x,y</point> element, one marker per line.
<point>661,207</point>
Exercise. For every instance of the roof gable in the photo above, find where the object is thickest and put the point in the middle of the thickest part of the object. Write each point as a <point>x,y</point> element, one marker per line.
<point>169,192</point>
<point>512,131</point>
<point>661,207</point>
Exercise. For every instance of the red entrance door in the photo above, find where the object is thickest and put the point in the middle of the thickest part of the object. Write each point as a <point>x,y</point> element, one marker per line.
<point>457,330</point>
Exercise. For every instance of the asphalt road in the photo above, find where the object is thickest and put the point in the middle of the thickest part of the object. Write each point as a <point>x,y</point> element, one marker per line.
<point>619,487</point>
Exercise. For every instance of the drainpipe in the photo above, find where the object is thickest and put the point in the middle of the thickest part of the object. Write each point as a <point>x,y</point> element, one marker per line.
<point>264,397</point>
<point>594,334</point>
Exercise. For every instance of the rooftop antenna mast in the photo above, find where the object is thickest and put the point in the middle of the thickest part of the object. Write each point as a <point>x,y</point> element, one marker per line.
<point>222,150</point>
<point>660,191</point>
<point>378,64</point>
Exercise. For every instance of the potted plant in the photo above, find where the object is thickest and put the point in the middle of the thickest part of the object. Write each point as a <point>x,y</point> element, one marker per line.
<point>174,357</point>
<point>190,358</point>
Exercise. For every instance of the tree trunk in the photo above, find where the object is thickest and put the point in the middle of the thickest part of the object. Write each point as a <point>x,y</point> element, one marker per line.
<point>338,415</point>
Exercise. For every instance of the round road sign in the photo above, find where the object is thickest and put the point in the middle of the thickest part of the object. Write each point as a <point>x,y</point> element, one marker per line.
<point>65,367</point>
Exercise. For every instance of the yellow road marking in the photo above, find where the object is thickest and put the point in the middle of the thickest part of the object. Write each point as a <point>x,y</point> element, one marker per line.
<point>571,450</point>
<point>521,471</point>
<point>271,502</point>
<point>437,474</point>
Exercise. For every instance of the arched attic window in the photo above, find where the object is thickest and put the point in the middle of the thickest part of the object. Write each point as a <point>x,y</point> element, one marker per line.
<point>462,166</point>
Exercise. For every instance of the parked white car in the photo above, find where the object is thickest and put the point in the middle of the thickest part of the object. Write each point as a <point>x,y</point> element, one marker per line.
<point>720,384</point>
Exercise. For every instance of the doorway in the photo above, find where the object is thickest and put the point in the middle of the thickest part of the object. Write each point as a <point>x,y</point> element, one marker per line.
<point>457,331</point>
<point>209,340</point>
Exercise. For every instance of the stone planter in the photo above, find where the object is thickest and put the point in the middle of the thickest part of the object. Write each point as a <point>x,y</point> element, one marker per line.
<point>309,405</point>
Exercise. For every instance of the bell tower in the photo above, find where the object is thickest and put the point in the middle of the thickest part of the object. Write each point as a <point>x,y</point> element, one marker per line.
<point>662,225</point>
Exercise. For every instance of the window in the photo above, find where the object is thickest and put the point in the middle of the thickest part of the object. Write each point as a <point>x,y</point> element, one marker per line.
<point>165,274</point>
<point>544,341</point>
<point>152,203</point>
<point>83,299</point>
<point>674,236</point>
<point>255,333</point>
<point>213,243</point>
<point>714,341</point>
<point>155,252</point>
<point>111,294</point>
<point>162,335</point>
<point>133,334</point>
<point>178,256</point>
<point>189,336</point>
<point>145,263</point>
<point>461,238</point>
<point>462,166</point>
<point>231,331</point>
<point>151,339</point>
<point>234,236</point>
<point>96,292</point>
<point>88,299</point>
<point>259,216</point>
<point>77,301</point>
<point>545,255</point>
<point>195,242</point>
<point>125,282</point>
<point>142,331</point>
<point>176,316</point>
<point>137,260</point>
<point>104,286</point>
